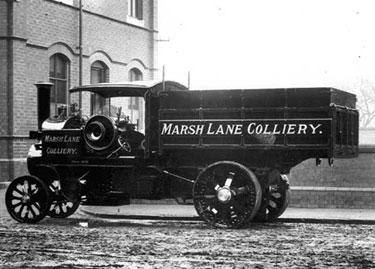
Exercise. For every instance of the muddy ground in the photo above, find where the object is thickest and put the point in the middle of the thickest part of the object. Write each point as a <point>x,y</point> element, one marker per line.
<point>87,242</point>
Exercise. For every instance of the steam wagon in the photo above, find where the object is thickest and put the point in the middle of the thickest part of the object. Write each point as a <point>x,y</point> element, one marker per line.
<point>227,151</point>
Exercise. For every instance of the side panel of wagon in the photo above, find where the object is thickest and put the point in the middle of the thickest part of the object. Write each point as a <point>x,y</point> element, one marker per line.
<point>281,126</point>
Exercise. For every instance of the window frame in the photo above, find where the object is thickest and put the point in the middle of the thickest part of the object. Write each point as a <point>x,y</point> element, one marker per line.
<point>96,100</point>
<point>55,79</point>
<point>135,75</point>
<point>135,10</point>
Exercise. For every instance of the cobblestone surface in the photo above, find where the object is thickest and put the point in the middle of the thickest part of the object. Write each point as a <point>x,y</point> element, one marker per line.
<point>87,242</point>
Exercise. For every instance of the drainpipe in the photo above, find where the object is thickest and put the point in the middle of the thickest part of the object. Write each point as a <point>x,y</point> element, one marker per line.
<point>80,51</point>
<point>10,83</point>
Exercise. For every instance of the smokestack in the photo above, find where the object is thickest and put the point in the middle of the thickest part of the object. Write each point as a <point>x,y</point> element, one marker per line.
<point>44,100</point>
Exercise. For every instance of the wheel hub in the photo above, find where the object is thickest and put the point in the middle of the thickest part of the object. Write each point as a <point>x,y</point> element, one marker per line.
<point>224,195</point>
<point>25,199</point>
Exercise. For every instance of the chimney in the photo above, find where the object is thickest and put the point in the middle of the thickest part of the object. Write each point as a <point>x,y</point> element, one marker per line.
<point>44,100</point>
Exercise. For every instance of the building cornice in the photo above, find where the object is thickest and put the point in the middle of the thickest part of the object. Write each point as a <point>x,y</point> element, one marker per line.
<point>17,38</point>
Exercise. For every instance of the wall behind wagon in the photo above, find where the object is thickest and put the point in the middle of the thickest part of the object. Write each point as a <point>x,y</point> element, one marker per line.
<point>350,183</point>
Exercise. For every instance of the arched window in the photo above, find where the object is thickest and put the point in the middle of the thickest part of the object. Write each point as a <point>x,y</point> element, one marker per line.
<point>99,73</point>
<point>135,74</point>
<point>59,76</point>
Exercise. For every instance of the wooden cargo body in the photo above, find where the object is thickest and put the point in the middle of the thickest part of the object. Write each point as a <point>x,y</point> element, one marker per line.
<point>279,125</point>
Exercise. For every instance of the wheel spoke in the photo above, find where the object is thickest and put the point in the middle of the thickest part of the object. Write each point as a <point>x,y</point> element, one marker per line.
<point>206,196</point>
<point>53,206</point>
<point>25,213</point>
<point>31,209</point>
<point>53,188</point>
<point>210,183</point>
<point>61,208</point>
<point>14,205</point>
<point>229,179</point>
<point>18,192</point>
<point>272,205</point>
<point>242,191</point>
<point>21,209</point>
<point>26,186</point>
<point>37,205</point>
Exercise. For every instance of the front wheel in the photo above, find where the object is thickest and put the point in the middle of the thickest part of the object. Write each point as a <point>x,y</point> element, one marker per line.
<point>227,194</point>
<point>27,199</point>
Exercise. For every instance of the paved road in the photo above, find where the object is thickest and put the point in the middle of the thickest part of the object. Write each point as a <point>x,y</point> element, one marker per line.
<point>87,242</point>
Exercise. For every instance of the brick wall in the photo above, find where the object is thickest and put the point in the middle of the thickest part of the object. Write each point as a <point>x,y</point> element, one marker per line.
<point>333,198</point>
<point>344,173</point>
<point>113,8</point>
<point>350,183</point>
<point>44,27</point>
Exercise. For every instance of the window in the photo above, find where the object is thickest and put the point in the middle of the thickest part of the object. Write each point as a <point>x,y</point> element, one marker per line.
<point>58,75</point>
<point>99,73</point>
<point>135,75</point>
<point>136,104</point>
<point>135,9</point>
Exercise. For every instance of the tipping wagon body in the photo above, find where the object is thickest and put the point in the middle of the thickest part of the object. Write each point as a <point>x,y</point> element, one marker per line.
<point>232,147</point>
<point>264,128</point>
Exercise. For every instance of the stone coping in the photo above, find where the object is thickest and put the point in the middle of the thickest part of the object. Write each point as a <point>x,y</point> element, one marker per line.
<point>320,188</point>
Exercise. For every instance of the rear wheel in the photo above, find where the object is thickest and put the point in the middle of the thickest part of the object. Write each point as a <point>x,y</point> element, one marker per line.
<point>27,199</point>
<point>61,206</point>
<point>227,194</point>
<point>277,201</point>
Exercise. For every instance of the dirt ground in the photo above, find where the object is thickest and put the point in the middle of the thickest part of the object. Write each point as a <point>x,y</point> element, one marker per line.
<point>87,242</point>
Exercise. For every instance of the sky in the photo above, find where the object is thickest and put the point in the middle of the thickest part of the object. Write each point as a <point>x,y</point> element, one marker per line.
<point>267,43</point>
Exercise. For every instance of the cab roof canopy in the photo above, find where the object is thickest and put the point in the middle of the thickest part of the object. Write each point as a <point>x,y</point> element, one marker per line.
<point>135,88</point>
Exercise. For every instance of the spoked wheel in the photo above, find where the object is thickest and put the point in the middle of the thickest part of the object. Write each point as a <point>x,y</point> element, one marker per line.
<point>61,206</point>
<point>279,199</point>
<point>27,199</point>
<point>277,202</point>
<point>227,194</point>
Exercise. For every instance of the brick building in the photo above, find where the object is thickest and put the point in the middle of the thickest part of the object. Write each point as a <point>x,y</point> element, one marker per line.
<point>40,41</point>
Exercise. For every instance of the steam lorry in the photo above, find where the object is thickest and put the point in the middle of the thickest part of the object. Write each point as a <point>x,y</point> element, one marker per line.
<point>227,151</point>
